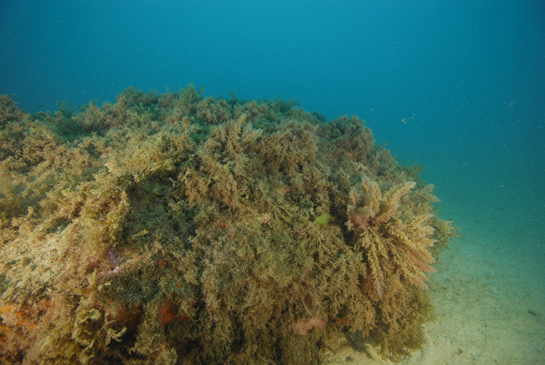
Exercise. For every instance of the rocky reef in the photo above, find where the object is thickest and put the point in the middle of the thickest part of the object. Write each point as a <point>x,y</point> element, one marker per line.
<point>178,229</point>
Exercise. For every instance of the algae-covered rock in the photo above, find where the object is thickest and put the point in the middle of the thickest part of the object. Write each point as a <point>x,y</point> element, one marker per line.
<point>177,229</point>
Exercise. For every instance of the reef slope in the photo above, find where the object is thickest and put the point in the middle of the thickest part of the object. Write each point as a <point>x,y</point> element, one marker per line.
<point>178,229</point>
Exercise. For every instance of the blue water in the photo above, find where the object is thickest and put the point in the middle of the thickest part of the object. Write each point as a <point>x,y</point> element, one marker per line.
<point>457,85</point>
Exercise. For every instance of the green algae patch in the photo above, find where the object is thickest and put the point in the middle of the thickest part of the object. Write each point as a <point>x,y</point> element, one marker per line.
<point>174,228</point>
<point>322,219</point>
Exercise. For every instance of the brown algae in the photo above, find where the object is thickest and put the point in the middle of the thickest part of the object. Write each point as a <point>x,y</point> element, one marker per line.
<point>178,229</point>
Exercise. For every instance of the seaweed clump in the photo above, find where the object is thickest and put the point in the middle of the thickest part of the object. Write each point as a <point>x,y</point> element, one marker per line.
<point>172,228</point>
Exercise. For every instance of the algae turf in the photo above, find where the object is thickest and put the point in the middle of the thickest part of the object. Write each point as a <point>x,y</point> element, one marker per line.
<point>173,228</point>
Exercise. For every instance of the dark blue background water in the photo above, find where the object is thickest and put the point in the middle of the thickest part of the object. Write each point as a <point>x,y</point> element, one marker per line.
<point>471,72</point>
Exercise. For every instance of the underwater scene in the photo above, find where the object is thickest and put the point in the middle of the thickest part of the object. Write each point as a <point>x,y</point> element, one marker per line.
<point>290,182</point>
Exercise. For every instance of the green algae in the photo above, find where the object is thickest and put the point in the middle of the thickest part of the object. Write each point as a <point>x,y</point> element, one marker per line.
<point>322,219</point>
<point>174,228</point>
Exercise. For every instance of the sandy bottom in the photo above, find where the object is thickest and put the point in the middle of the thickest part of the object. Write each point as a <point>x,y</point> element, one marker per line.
<point>489,291</point>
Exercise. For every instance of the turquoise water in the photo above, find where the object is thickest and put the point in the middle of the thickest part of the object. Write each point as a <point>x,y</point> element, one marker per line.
<point>458,86</point>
